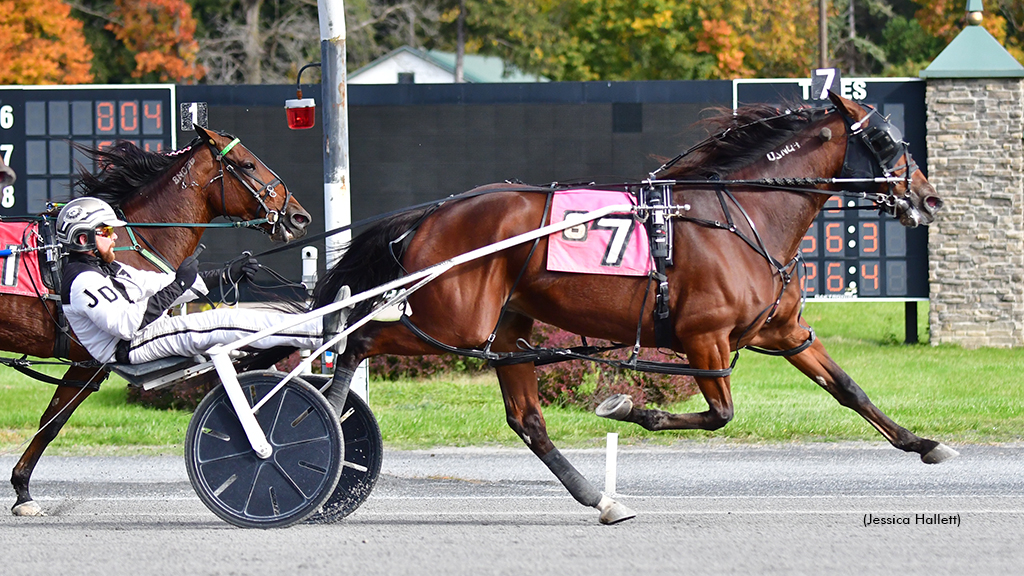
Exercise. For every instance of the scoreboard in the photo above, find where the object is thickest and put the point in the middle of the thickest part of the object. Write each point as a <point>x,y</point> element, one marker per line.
<point>38,125</point>
<point>854,253</point>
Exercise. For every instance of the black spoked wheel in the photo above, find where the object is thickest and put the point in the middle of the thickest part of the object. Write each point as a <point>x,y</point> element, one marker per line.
<point>364,452</point>
<point>294,482</point>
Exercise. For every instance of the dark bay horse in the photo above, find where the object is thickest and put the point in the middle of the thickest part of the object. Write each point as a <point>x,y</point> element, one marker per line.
<point>214,176</point>
<point>732,285</point>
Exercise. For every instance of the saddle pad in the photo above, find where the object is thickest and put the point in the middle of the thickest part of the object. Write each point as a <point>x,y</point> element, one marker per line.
<point>19,273</point>
<point>614,245</point>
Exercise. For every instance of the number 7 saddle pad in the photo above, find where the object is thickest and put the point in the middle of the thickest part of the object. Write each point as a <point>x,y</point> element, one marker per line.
<point>615,244</point>
<point>19,272</point>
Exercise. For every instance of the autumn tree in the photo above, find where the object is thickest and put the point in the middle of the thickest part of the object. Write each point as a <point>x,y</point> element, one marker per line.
<point>40,43</point>
<point>160,33</point>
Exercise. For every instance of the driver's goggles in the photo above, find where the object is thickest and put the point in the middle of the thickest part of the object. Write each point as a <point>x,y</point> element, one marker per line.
<point>105,231</point>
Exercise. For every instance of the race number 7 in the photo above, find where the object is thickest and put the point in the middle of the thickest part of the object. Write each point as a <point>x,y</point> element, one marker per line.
<point>823,80</point>
<point>621,228</point>
<point>7,150</point>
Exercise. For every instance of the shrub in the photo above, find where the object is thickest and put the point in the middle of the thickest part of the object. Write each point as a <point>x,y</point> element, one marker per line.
<point>400,367</point>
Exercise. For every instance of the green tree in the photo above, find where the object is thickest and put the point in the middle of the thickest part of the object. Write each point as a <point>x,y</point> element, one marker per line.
<point>640,39</point>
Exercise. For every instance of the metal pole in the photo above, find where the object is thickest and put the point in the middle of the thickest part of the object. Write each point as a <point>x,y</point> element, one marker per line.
<point>337,196</point>
<point>337,199</point>
<point>910,322</point>
<point>822,34</point>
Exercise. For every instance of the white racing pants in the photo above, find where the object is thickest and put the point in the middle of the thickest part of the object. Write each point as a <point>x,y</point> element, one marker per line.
<point>196,333</point>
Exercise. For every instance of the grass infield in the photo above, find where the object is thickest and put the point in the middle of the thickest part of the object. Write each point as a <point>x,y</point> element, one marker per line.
<point>942,392</point>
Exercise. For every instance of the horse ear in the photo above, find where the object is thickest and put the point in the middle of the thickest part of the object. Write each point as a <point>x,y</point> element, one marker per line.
<point>201,132</point>
<point>848,107</point>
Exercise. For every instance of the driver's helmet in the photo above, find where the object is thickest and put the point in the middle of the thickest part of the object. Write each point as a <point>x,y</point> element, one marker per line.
<point>83,216</point>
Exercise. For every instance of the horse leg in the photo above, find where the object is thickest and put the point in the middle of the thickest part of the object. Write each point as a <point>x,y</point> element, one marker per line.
<point>713,355</point>
<point>523,413</point>
<point>65,400</point>
<point>819,366</point>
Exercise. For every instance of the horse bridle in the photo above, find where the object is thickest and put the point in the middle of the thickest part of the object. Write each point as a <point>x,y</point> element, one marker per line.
<point>882,145</point>
<point>266,189</point>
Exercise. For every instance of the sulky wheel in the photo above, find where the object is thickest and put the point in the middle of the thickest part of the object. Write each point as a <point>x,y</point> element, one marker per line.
<point>364,451</point>
<point>246,490</point>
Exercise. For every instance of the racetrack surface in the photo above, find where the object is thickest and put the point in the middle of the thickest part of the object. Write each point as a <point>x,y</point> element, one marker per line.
<point>702,508</point>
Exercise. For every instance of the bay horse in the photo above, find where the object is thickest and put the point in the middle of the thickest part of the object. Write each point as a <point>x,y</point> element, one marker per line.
<point>731,286</point>
<point>214,176</point>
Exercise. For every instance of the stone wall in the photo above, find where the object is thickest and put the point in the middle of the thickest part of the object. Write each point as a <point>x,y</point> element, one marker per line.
<point>976,245</point>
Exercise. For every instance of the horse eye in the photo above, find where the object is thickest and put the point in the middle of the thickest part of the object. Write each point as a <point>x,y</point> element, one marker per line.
<point>248,165</point>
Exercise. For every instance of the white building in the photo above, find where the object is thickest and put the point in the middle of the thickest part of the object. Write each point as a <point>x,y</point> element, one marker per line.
<point>407,65</point>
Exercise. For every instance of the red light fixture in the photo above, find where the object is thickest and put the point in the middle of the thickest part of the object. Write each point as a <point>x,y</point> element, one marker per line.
<point>301,112</point>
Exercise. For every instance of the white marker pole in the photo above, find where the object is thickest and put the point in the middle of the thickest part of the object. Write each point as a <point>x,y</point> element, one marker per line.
<point>610,463</point>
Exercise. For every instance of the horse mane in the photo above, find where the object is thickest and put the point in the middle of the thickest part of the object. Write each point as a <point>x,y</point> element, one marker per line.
<point>739,138</point>
<point>125,169</point>
<point>370,260</point>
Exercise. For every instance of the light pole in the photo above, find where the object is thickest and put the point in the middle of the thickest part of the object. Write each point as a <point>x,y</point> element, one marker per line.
<point>337,196</point>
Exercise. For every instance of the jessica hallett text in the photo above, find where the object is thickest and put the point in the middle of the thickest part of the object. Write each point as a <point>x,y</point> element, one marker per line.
<point>911,519</point>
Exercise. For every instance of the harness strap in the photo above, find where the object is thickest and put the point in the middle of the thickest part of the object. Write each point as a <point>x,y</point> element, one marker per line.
<point>22,365</point>
<point>542,356</point>
<point>522,272</point>
<point>62,338</point>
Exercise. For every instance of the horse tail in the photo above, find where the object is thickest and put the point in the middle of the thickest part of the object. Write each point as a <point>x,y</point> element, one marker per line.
<point>371,259</point>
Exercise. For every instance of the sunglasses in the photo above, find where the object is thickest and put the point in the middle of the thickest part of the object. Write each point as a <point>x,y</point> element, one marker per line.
<point>105,231</point>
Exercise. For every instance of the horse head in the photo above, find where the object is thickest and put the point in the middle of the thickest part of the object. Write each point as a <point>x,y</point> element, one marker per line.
<point>875,148</point>
<point>249,189</point>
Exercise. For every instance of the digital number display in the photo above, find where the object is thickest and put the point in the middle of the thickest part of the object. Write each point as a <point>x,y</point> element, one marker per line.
<point>861,254</point>
<point>39,124</point>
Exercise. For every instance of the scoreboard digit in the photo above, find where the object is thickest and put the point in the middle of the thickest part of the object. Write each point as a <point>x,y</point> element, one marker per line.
<point>38,125</point>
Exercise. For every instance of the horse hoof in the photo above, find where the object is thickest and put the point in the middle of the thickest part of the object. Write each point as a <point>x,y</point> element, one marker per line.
<point>29,508</point>
<point>940,453</point>
<point>616,407</point>
<point>612,512</point>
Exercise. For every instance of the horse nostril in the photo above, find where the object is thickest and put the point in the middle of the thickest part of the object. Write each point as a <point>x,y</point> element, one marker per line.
<point>933,203</point>
<point>300,219</point>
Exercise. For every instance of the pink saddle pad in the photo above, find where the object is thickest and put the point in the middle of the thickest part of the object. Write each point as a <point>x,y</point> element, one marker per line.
<point>19,273</point>
<point>615,244</point>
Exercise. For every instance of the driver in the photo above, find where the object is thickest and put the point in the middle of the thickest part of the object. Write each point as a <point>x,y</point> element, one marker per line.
<point>118,312</point>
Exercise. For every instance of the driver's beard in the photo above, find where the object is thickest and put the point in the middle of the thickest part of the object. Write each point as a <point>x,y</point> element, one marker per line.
<point>107,256</point>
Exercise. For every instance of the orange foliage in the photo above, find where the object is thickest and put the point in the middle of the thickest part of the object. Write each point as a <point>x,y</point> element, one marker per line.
<point>719,38</point>
<point>40,43</point>
<point>161,33</point>
<point>759,38</point>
